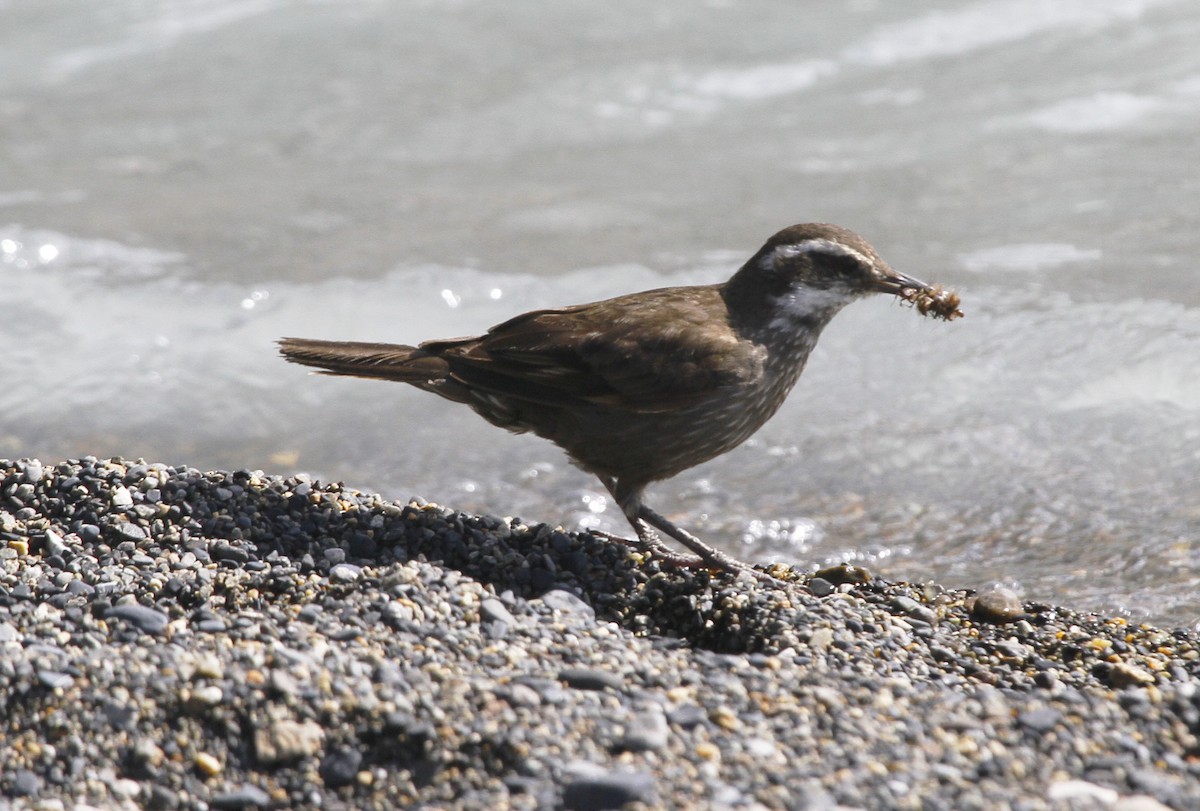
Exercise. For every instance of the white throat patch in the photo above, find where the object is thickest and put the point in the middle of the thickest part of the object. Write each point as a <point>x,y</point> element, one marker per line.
<point>805,302</point>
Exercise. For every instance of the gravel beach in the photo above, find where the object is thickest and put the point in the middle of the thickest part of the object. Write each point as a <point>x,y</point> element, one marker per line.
<point>173,639</point>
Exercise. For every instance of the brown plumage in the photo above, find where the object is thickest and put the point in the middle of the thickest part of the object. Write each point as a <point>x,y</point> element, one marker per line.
<point>640,387</point>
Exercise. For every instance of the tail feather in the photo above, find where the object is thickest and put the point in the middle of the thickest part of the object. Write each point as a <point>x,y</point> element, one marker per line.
<point>407,364</point>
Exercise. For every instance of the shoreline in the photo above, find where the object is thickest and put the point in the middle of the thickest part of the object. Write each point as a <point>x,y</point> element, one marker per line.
<point>177,639</point>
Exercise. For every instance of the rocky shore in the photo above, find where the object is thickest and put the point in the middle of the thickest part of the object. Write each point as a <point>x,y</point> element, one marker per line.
<point>172,639</point>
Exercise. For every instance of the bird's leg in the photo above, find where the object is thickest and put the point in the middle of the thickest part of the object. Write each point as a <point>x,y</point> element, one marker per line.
<point>714,558</point>
<point>645,520</point>
<point>650,542</point>
<point>647,539</point>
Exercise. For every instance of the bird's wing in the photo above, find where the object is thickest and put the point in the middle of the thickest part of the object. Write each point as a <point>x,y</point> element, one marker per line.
<point>656,351</point>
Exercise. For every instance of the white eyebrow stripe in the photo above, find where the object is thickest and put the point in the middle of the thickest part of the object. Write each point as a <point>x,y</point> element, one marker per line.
<point>826,246</point>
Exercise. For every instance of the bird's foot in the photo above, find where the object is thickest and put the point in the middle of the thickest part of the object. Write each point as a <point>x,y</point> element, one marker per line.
<point>705,556</point>
<point>653,546</point>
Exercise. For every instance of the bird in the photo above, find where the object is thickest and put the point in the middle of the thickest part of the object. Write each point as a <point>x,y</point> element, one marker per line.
<point>640,387</point>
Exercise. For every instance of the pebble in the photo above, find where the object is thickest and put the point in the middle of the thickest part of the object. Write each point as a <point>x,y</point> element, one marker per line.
<point>126,531</point>
<point>647,731</point>
<point>345,572</point>
<point>55,680</point>
<point>820,587</point>
<point>588,679</point>
<point>688,716</point>
<point>146,619</point>
<point>33,471</point>
<point>244,797</point>
<point>148,753</point>
<point>843,573</point>
<point>997,605</point>
<point>285,741</point>
<point>568,603</point>
<point>54,543</point>
<point>599,790</point>
<point>492,610</point>
<point>207,764</point>
<point>208,695</point>
<point>340,766</point>
<point>239,640</point>
<point>233,554</point>
<point>1123,674</point>
<point>25,784</point>
<point>1040,720</point>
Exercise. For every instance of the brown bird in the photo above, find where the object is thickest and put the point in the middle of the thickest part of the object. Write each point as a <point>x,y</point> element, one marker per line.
<point>640,387</point>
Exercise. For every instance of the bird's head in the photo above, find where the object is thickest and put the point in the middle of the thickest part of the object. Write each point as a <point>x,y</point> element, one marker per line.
<point>806,273</point>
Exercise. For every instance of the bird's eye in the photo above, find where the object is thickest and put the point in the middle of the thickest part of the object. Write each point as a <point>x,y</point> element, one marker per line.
<point>834,255</point>
<point>844,264</point>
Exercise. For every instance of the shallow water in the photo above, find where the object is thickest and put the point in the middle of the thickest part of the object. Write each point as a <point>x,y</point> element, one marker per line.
<point>185,182</point>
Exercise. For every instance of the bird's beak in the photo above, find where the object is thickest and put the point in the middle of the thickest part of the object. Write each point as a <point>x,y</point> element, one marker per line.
<point>889,281</point>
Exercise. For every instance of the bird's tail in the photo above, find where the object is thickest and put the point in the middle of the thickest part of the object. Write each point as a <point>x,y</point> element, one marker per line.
<point>407,364</point>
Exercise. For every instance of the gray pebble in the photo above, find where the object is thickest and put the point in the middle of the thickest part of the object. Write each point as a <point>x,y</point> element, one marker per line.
<point>148,753</point>
<point>284,683</point>
<point>340,766</point>
<point>492,610</point>
<point>345,572</point>
<point>129,532</point>
<point>149,620</point>
<point>55,680</point>
<point>521,695</point>
<point>25,784</point>
<point>687,716</point>
<point>1040,720</point>
<point>80,587</point>
<point>1014,649</point>
<point>582,678</point>
<point>245,797</point>
<point>119,715</point>
<point>33,472</point>
<point>820,587</point>
<point>568,603</point>
<point>604,790</point>
<point>647,731</point>
<point>821,638</point>
<point>162,798</point>
<point>54,543</point>
<point>224,551</point>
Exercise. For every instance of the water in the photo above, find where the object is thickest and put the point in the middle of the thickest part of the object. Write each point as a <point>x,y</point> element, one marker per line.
<point>183,182</point>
